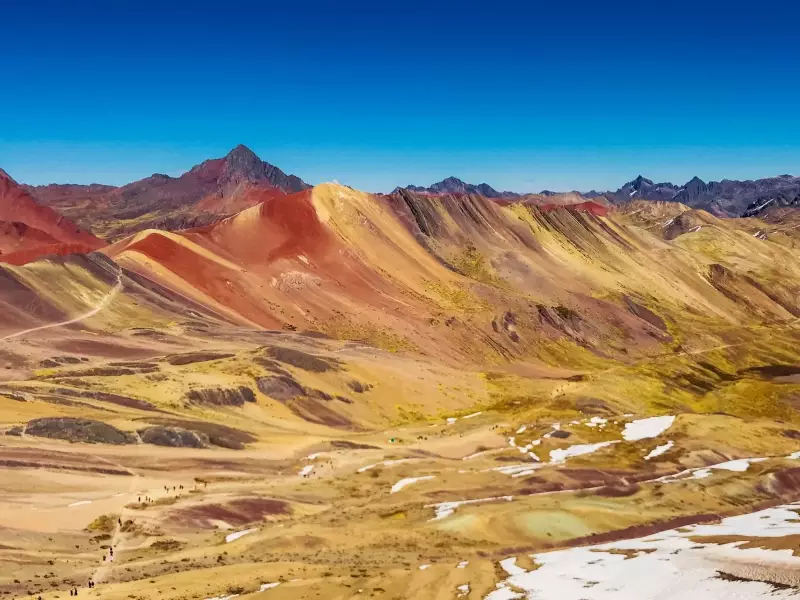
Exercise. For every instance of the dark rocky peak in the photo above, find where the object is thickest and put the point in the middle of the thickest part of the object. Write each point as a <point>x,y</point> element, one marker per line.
<point>243,160</point>
<point>639,183</point>
<point>242,164</point>
<point>454,185</point>
<point>484,189</point>
<point>449,185</point>
<point>693,188</point>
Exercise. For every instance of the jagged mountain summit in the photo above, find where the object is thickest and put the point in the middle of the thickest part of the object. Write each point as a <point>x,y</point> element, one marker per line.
<point>726,198</point>
<point>213,189</point>
<point>453,185</point>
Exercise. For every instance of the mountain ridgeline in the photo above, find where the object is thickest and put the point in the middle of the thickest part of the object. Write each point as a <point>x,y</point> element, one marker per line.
<point>726,198</point>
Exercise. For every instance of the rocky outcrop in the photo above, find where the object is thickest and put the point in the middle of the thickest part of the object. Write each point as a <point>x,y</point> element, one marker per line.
<point>218,435</point>
<point>78,430</point>
<point>174,437</point>
<point>359,387</point>
<point>280,388</point>
<point>194,357</point>
<point>302,360</point>
<point>222,396</point>
<point>314,406</point>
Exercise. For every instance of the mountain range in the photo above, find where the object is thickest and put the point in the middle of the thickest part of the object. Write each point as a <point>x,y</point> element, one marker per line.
<point>453,185</point>
<point>726,198</point>
<point>334,394</point>
<point>213,189</point>
<point>59,218</point>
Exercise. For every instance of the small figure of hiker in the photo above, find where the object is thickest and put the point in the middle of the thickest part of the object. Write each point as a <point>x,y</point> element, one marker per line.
<point>119,520</point>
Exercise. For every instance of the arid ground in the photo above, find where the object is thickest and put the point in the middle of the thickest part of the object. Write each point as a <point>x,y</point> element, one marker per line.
<point>332,394</point>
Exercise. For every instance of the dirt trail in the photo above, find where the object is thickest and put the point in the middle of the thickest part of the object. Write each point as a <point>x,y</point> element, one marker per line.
<point>102,571</point>
<point>104,302</point>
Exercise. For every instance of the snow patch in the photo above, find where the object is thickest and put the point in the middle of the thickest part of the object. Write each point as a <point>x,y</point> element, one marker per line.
<point>385,463</point>
<point>647,428</point>
<point>306,470</point>
<point>445,509</point>
<point>659,450</point>
<point>232,537</point>
<point>560,455</point>
<point>268,586</point>
<point>408,481</point>
<point>671,564</point>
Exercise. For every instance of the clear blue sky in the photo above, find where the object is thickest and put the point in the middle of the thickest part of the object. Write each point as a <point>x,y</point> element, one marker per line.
<point>524,96</point>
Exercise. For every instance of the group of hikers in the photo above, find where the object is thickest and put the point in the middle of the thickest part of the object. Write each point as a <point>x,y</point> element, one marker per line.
<point>148,499</point>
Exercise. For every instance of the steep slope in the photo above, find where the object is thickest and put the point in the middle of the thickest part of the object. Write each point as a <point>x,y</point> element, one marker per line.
<point>463,277</point>
<point>209,191</point>
<point>392,393</point>
<point>29,230</point>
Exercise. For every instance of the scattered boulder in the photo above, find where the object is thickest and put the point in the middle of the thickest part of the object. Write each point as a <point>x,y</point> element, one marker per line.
<point>78,430</point>
<point>173,437</point>
<point>17,431</point>
<point>358,387</point>
<point>222,396</point>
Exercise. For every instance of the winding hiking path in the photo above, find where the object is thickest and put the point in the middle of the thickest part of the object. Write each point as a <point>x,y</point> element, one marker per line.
<point>104,302</point>
<point>102,571</point>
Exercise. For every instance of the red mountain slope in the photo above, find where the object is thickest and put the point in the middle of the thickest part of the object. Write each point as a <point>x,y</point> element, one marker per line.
<point>212,190</point>
<point>35,230</point>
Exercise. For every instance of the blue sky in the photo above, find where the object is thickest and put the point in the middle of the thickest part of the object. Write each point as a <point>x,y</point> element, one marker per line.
<point>525,96</point>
